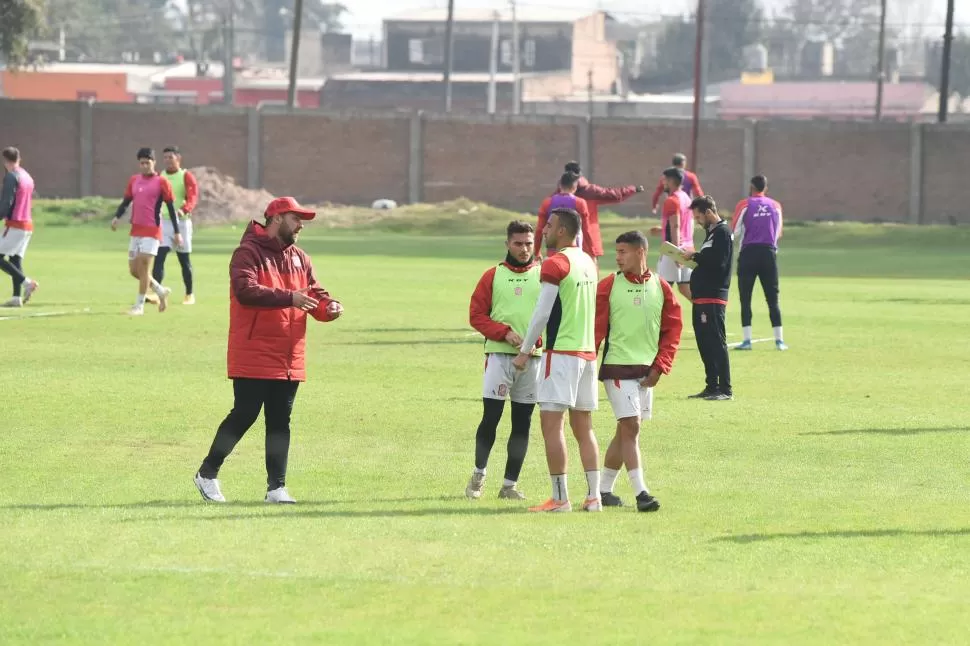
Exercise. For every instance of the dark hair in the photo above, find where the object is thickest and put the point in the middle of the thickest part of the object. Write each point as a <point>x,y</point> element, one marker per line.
<point>634,238</point>
<point>518,226</point>
<point>569,220</point>
<point>675,174</point>
<point>171,149</point>
<point>568,179</point>
<point>760,183</point>
<point>146,153</point>
<point>704,204</point>
<point>573,167</point>
<point>680,159</point>
<point>11,154</point>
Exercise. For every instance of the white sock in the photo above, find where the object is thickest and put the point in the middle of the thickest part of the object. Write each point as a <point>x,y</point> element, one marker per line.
<point>608,479</point>
<point>636,481</point>
<point>559,491</point>
<point>16,299</point>
<point>593,481</point>
<point>140,301</point>
<point>480,472</point>
<point>156,287</point>
<point>508,483</point>
<point>747,332</point>
<point>778,336</point>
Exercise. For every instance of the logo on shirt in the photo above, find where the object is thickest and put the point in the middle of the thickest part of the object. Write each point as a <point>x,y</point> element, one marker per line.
<point>297,262</point>
<point>518,291</point>
<point>637,301</point>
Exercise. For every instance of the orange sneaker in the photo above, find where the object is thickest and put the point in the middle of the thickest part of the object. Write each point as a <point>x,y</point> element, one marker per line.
<point>553,505</point>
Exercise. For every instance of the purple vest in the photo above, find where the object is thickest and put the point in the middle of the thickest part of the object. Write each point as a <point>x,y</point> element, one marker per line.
<point>566,201</point>
<point>761,222</point>
<point>688,185</point>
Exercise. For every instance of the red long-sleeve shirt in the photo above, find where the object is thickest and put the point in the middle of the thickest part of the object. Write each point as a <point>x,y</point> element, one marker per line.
<point>594,196</point>
<point>671,326</point>
<point>690,181</point>
<point>480,308</point>
<point>191,194</point>
<point>585,217</point>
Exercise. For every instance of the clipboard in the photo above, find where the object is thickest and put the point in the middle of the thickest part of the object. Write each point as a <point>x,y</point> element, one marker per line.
<point>677,254</point>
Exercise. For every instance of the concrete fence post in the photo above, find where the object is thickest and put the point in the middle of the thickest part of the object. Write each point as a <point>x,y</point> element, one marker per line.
<point>86,148</point>
<point>916,174</point>
<point>416,158</point>
<point>254,149</point>
<point>749,155</point>
<point>584,141</point>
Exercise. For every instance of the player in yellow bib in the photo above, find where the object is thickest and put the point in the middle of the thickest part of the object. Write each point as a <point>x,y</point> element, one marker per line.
<point>638,325</point>
<point>567,311</point>
<point>185,190</point>
<point>500,310</point>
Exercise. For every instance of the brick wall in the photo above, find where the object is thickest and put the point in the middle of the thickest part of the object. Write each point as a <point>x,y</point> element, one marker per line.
<point>946,189</point>
<point>48,136</point>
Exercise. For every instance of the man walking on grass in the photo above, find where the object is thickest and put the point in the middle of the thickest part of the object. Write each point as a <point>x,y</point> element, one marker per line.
<point>185,191</point>
<point>146,193</point>
<point>710,284</point>
<point>15,212</point>
<point>272,289</point>
<point>566,310</point>
<point>638,324</point>
<point>500,310</point>
<point>758,221</point>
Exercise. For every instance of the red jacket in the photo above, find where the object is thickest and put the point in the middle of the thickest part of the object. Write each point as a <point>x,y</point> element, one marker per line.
<point>480,307</point>
<point>267,335</point>
<point>585,218</point>
<point>594,196</point>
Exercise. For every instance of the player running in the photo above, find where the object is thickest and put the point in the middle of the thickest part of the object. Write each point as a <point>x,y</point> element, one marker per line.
<point>146,192</point>
<point>15,210</point>
<point>692,185</point>
<point>638,324</point>
<point>677,228</point>
<point>758,222</point>
<point>567,304</point>
<point>564,198</point>
<point>500,309</point>
<point>185,193</point>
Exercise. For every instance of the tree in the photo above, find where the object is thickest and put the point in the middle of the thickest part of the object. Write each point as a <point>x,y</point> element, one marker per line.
<point>19,21</point>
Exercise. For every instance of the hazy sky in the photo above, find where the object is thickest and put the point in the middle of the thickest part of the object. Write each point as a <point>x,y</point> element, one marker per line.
<point>366,15</point>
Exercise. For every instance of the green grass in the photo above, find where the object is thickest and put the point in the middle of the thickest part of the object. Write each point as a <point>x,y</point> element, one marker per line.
<point>827,504</point>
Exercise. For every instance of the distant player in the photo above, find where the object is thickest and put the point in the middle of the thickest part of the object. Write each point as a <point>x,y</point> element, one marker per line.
<point>596,195</point>
<point>564,198</point>
<point>185,191</point>
<point>758,222</point>
<point>677,228</point>
<point>500,309</point>
<point>15,210</point>
<point>146,193</point>
<point>638,325</point>
<point>567,311</point>
<point>691,186</point>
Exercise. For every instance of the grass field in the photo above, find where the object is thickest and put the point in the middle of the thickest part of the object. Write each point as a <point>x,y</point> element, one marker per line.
<point>828,504</point>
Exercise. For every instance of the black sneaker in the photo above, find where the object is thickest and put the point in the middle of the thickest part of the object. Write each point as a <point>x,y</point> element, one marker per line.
<point>610,499</point>
<point>719,397</point>
<point>646,502</point>
<point>704,394</point>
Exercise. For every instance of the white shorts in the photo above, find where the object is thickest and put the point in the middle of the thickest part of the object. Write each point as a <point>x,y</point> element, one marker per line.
<point>503,381</point>
<point>13,242</point>
<point>629,399</point>
<point>567,382</point>
<point>669,271</point>
<point>168,235</point>
<point>140,245</point>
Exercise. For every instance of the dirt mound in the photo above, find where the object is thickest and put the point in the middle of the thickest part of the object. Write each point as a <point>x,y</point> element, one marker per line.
<point>221,200</point>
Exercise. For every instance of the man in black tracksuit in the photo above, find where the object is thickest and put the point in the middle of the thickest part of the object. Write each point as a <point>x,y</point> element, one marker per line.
<point>709,286</point>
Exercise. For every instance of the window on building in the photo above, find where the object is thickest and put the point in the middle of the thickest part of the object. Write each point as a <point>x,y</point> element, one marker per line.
<point>416,50</point>
<point>426,51</point>
<point>505,52</point>
<point>529,53</point>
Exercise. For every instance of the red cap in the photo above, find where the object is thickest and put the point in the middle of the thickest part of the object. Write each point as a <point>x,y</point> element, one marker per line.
<point>282,205</point>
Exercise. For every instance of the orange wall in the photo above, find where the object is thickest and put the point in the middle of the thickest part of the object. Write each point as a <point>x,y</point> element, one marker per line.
<point>65,86</point>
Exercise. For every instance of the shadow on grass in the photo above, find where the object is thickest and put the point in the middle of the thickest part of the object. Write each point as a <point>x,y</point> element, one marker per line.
<point>369,513</point>
<point>893,431</point>
<point>396,330</point>
<point>197,503</point>
<point>848,533</point>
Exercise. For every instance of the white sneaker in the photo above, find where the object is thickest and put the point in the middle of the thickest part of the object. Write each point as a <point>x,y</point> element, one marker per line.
<point>16,301</point>
<point>475,486</point>
<point>593,504</point>
<point>279,496</point>
<point>30,287</point>
<point>163,299</point>
<point>209,488</point>
<point>136,310</point>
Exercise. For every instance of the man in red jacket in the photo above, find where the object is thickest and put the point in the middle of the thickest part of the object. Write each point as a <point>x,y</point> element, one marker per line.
<point>272,290</point>
<point>691,185</point>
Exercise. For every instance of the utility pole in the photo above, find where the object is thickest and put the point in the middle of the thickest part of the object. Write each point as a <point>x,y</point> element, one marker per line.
<point>589,94</point>
<point>700,80</point>
<point>229,44</point>
<point>449,50</point>
<point>493,64</point>
<point>516,85</point>
<point>945,74</point>
<point>294,53</point>
<point>881,80</point>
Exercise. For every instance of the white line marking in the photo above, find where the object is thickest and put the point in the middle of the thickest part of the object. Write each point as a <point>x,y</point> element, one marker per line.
<point>734,345</point>
<point>86,310</point>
